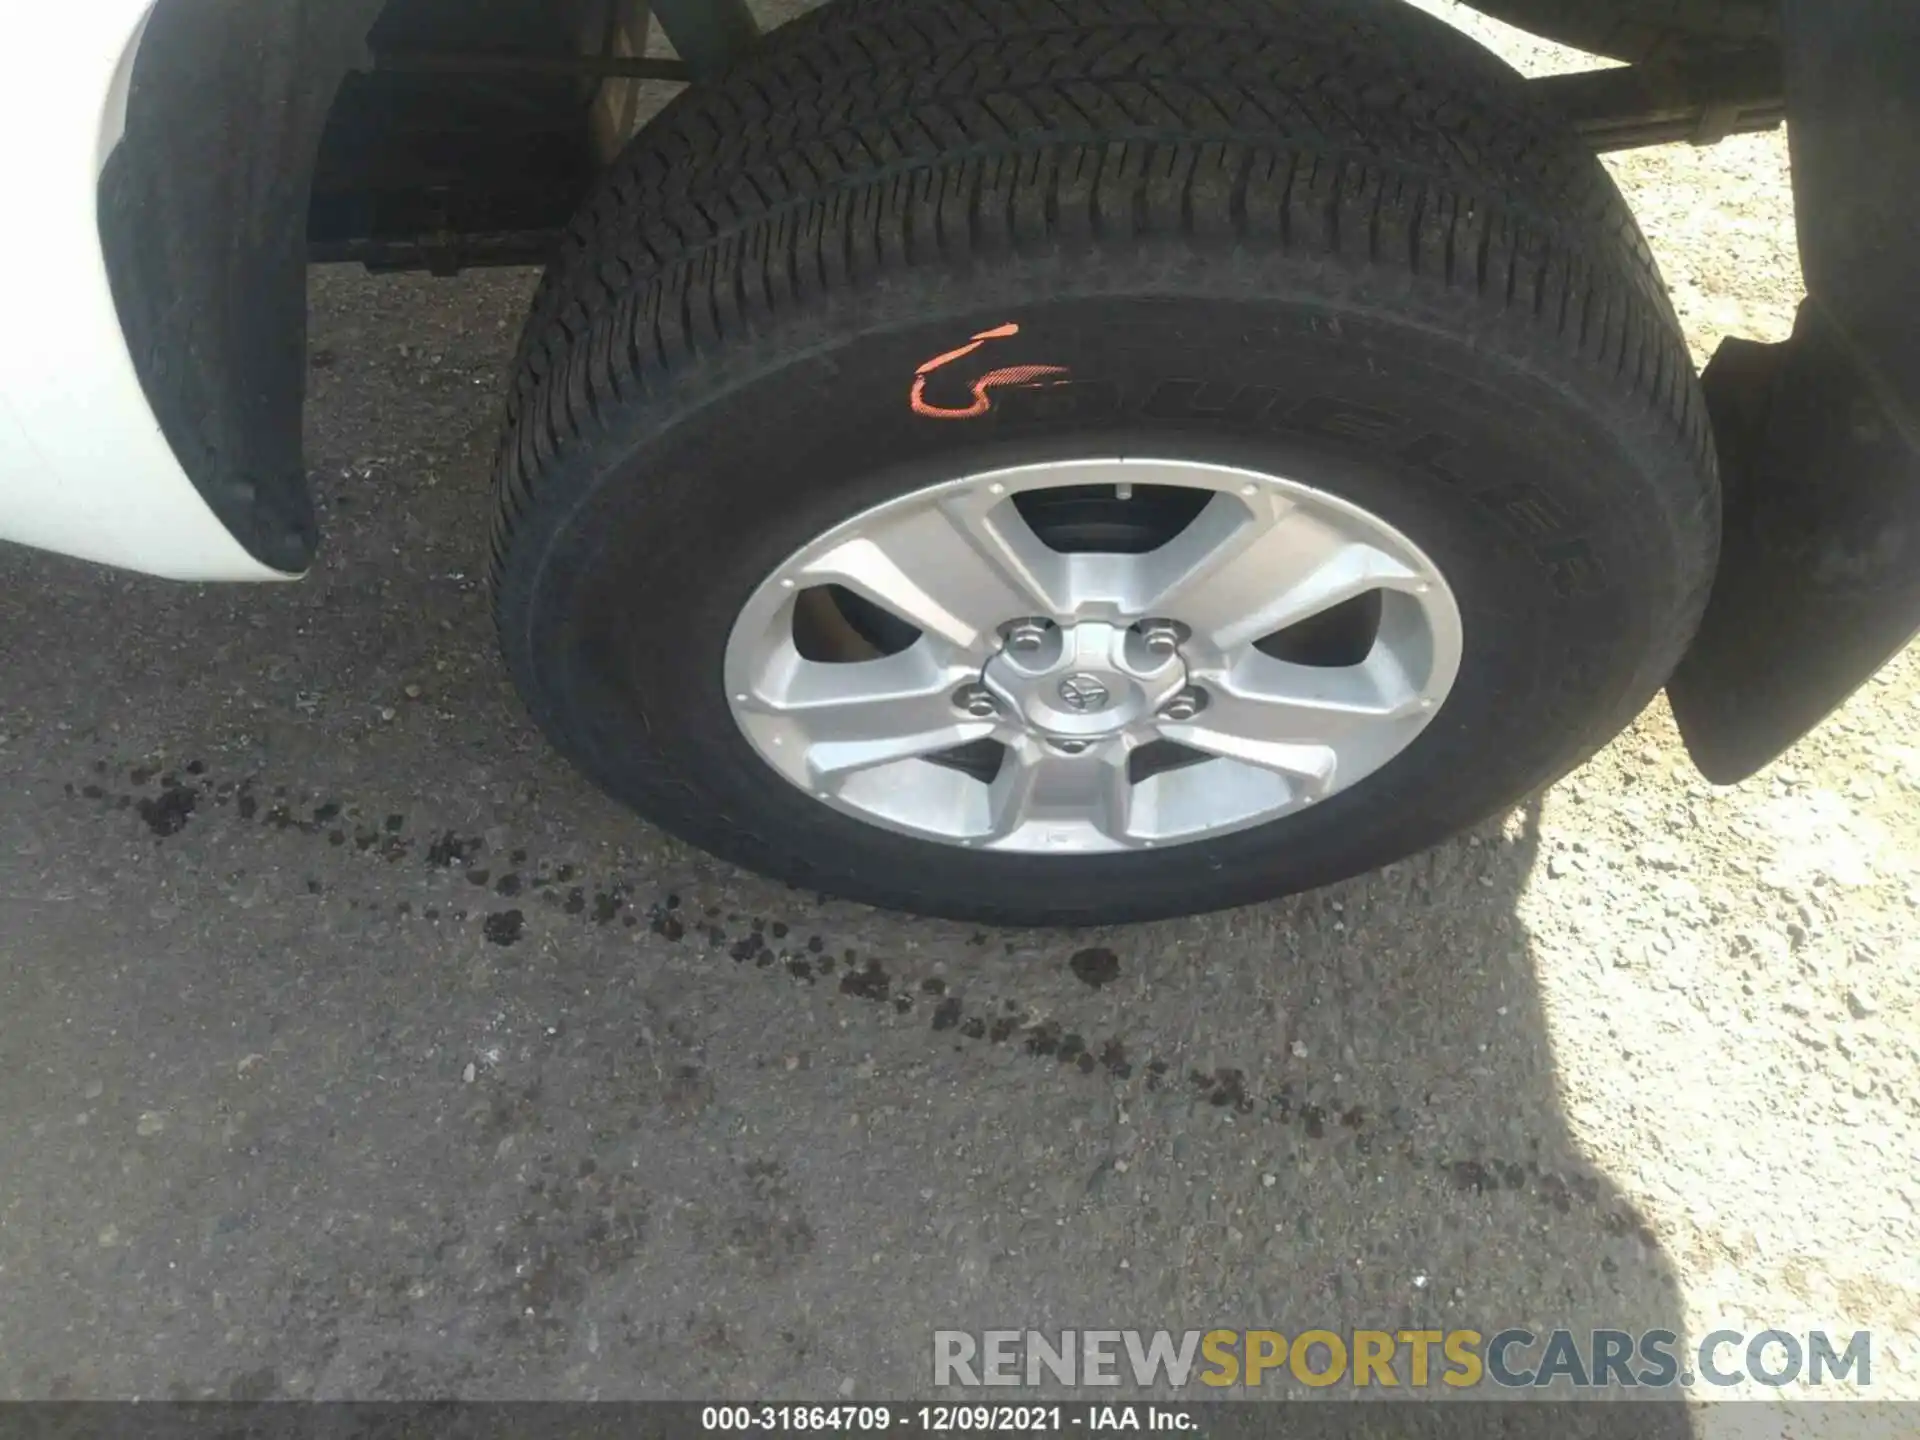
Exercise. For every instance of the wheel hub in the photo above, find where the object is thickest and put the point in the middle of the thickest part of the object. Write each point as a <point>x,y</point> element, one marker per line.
<point>1084,682</point>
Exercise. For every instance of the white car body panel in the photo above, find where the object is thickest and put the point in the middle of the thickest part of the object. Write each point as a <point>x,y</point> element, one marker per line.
<point>84,467</point>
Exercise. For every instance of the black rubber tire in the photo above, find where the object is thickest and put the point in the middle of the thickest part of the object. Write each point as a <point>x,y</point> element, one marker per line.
<point>1327,238</point>
<point>1643,31</point>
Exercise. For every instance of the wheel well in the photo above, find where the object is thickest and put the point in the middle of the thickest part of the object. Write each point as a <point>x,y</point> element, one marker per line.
<point>252,128</point>
<point>436,134</point>
<point>470,130</point>
<point>473,128</point>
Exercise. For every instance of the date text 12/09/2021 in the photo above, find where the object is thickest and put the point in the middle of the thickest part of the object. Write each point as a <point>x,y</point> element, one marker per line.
<point>947,1419</point>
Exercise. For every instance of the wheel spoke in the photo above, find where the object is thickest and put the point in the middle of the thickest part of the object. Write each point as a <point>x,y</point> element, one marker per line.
<point>1246,568</point>
<point>1048,800</point>
<point>851,717</point>
<point>1312,766</point>
<point>1304,721</point>
<point>957,569</point>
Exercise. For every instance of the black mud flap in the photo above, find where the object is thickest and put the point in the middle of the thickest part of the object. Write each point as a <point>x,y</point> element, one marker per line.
<point>203,224</point>
<point>1819,438</point>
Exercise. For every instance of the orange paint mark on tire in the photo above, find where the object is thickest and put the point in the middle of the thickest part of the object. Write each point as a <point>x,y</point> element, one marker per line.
<point>1011,375</point>
<point>982,401</point>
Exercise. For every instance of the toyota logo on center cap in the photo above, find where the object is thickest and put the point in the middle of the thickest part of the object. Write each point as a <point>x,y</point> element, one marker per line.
<point>1083,693</point>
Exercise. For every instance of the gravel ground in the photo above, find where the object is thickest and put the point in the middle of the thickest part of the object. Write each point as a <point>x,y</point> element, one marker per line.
<point>1730,975</point>
<point>351,1046</point>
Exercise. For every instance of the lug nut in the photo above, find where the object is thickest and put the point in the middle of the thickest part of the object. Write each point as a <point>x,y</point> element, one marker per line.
<point>1186,704</point>
<point>977,701</point>
<point>1071,747</point>
<point>1163,637</point>
<point>1026,636</point>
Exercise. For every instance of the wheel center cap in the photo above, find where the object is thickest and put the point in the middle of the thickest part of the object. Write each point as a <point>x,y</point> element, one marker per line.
<point>1084,693</point>
<point>1085,682</point>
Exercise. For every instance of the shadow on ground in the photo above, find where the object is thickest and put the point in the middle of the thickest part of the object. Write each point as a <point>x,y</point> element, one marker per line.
<point>350,1046</point>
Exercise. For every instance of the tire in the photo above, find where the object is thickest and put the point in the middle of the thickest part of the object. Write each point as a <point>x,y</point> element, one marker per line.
<point>1330,239</point>
<point>1642,31</point>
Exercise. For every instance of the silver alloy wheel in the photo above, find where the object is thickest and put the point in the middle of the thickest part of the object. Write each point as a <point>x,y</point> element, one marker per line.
<point>1074,663</point>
